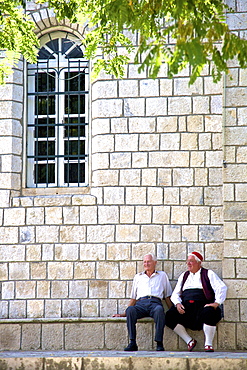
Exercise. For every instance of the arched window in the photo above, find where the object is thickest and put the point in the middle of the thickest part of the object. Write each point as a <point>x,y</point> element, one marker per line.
<point>57,114</point>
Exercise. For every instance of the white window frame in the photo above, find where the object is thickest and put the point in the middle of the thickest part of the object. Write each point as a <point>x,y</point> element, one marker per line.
<point>60,65</point>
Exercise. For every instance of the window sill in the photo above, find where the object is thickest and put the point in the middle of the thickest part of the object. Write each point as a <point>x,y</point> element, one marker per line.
<point>32,192</point>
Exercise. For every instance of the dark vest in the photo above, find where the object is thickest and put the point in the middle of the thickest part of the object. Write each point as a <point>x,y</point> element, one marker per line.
<point>206,286</point>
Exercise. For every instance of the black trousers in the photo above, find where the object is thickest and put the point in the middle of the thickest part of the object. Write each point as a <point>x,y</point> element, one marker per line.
<point>146,308</point>
<point>195,314</point>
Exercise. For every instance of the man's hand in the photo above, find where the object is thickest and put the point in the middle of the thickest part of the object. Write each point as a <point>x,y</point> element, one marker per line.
<point>214,305</point>
<point>180,308</point>
<point>119,315</point>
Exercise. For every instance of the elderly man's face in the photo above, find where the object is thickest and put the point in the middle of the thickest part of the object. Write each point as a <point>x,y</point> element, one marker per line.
<point>149,264</point>
<point>193,265</point>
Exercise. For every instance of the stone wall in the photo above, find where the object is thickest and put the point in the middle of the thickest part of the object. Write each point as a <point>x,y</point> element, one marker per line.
<point>157,184</point>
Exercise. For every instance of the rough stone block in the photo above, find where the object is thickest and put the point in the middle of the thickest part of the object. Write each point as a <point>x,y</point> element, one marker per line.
<point>71,215</point>
<point>135,195</point>
<point>227,335</point>
<point>127,214</point>
<point>98,289</point>
<point>10,335</point>
<point>127,233</point>
<point>59,289</point>
<point>231,310</point>
<point>242,336</point>
<point>130,177</point>
<point>128,88</point>
<point>72,234</point>
<point>90,308</point>
<point>76,339</point>
<point>116,336</point>
<point>172,233</point>
<point>169,159</point>
<point>35,308</point>
<point>177,251</point>
<point>179,106</point>
<point>30,339</point>
<point>71,308</point>
<point>17,309</point>
<point>100,233</point>
<point>106,270</point>
<point>33,252</point>
<point>133,107</point>
<point>151,233</point>
<point>92,252</point>
<point>47,234</point>
<point>120,160</point>
<point>141,124</point>
<point>25,289</point>
<point>117,289</point>
<point>60,270</point>
<point>52,336</point>
<point>108,215</point>
<point>127,270</point>
<point>52,310</point>
<point>84,270</point>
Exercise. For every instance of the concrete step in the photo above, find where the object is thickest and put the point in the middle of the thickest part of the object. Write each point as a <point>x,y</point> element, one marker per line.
<point>109,360</point>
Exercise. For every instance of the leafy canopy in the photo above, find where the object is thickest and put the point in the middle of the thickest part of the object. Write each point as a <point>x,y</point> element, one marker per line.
<point>180,32</point>
<point>16,36</point>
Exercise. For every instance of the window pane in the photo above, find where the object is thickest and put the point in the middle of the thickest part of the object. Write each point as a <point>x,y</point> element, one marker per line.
<point>44,105</point>
<point>74,81</point>
<point>43,128</point>
<point>45,82</point>
<point>75,104</point>
<point>74,130</point>
<point>44,148</point>
<point>74,173</point>
<point>44,173</point>
<point>74,148</point>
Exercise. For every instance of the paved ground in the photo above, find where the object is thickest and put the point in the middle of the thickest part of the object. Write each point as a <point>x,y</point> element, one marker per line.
<point>49,354</point>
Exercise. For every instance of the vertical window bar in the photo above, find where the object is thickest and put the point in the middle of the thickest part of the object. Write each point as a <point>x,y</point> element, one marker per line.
<point>36,166</point>
<point>79,125</point>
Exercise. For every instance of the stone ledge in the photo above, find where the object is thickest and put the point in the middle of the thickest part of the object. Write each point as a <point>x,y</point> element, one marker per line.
<point>105,360</point>
<point>42,320</point>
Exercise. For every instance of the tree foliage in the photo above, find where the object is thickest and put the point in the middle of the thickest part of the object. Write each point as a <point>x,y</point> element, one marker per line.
<point>180,32</point>
<point>16,36</point>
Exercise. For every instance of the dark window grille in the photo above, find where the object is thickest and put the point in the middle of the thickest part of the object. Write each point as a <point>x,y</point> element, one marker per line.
<point>57,143</point>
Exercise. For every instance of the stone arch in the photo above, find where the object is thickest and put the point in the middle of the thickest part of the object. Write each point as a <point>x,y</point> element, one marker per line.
<point>46,22</point>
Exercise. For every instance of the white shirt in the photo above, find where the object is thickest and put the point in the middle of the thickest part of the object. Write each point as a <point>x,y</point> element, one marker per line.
<point>194,281</point>
<point>157,285</point>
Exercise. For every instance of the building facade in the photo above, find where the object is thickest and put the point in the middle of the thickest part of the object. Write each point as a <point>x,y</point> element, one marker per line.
<point>94,174</point>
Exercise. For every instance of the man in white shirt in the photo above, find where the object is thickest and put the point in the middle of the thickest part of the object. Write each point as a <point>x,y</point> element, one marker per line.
<point>197,296</point>
<point>148,290</point>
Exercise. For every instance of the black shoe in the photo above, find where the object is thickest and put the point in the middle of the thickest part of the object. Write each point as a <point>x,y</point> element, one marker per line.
<point>160,347</point>
<point>131,347</point>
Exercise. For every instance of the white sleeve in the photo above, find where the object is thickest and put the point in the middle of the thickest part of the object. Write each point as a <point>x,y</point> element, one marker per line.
<point>168,289</point>
<point>176,294</point>
<point>219,287</point>
<point>134,288</point>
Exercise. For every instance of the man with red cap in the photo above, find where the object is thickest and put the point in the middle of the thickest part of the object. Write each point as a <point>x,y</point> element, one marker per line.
<point>197,296</point>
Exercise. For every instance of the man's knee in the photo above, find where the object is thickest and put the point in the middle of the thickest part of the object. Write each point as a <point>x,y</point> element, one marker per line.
<point>130,311</point>
<point>158,312</point>
<point>210,316</point>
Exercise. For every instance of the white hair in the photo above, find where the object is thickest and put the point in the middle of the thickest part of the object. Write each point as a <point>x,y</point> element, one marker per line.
<point>154,258</point>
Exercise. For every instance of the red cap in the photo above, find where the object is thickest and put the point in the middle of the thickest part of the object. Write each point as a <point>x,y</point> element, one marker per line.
<point>198,255</point>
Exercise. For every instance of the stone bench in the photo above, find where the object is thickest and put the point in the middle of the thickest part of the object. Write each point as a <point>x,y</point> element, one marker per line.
<point>87,333</point>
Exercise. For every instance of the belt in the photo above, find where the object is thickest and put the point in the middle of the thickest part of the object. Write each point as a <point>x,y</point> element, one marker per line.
<point>149,297</point>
